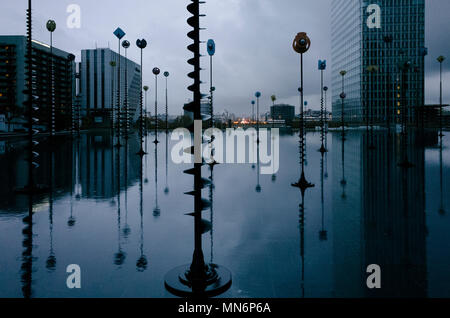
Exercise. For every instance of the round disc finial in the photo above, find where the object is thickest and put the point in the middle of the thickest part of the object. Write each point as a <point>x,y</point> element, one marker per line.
<point>51,25</point>
<point>166,74</point>
<point>301,43</point>
<point>211,47</point>
<point>142,44</point>
<point>156,71</point>
<point>126,44</point>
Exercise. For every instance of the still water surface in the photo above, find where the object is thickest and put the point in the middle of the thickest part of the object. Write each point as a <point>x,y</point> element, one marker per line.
<point>363,210</point>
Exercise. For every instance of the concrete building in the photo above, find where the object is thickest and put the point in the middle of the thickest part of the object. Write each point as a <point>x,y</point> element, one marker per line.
<point>356,46</point>
<point>12,82</point>
<point>98,84</point>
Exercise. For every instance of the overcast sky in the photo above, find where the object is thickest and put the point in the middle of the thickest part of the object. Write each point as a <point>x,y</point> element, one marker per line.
<point>253,39</point>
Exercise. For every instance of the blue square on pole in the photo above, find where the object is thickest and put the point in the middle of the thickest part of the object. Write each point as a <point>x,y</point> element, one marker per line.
<point>322,65</point>
<point>119,33</point>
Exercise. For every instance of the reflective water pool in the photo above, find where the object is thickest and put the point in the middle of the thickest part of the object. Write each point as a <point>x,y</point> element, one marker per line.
<point>126,234</point>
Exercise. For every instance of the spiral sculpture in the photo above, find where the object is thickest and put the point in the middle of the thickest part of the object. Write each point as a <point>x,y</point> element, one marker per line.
<point>198,278</point>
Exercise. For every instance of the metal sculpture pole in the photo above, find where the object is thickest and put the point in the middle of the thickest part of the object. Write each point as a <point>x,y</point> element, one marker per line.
<point>253,111</point>
<point>126,44</point>
<point>440,59</point>
<point>322,67</point>
<point>325,90</point>
<point>197,279</point>
<point>273,98</point>
<point>113,65</point>
<point>142,44</point>
<point>301,45</point>
<point>166,75</point>
<point>119,33</point>
<point>146,89</point>
<point>211,48</point>
<point>156,72</point>
<point>257,95</point>
<point>31,105</point>
<point>343,95</point>
<point>27,254</point>
<point>71,59</point>
<point>51,27</point>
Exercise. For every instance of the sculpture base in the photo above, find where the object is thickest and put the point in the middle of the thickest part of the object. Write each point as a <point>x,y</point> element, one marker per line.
<point>178,284</point>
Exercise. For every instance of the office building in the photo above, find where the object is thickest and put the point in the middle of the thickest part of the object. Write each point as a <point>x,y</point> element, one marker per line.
<point>356,46</point>
<point>98,86</point>
<point>12,83</point>
<point>283,112</point>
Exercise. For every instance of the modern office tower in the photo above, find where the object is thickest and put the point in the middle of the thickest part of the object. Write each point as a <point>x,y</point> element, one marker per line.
<point>99,84</point>
<point>356,45</point>
<point>12,82</point>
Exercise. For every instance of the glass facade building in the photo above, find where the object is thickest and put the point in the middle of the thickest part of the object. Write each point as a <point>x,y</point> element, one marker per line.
<point>383,92</point>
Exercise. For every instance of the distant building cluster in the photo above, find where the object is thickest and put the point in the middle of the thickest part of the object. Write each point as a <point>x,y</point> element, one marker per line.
<point>90,86</point>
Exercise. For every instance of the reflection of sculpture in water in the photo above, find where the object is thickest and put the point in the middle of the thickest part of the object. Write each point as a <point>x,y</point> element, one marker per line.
<point>343,180</point>
<point>113,186</point>
<point>27,254</point>
<point>274,175</point>
<point>126,229</point>
<point>326,156</point>
<point>166,188</point>
<point>119,257</point>
<point>323,234</point>
<point>51,260</point>
<point>156,210</point>
<point>141,264</point>
<point>303,185</point>
<point>258,169</point>
<point>197,279</point>
<point>71,222</point>
<point>441,179</point>
<point>211,210</point>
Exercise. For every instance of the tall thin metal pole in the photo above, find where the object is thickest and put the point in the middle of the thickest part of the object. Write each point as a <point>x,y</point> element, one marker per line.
<point>156,109</point>
<point>440,102</point>
<point>126,124</point>
<point>118,102</point>
<point>211,89</point>
<point>167,108</point>
<point>52,89</point>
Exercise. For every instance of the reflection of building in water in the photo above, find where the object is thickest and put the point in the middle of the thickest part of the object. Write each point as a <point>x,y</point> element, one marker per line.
<point>346,214</point>
<point>394,217</point>
<point>16,176</point>
<point>97,160</point>
<point>96,165</point>
<point>382,219</point>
